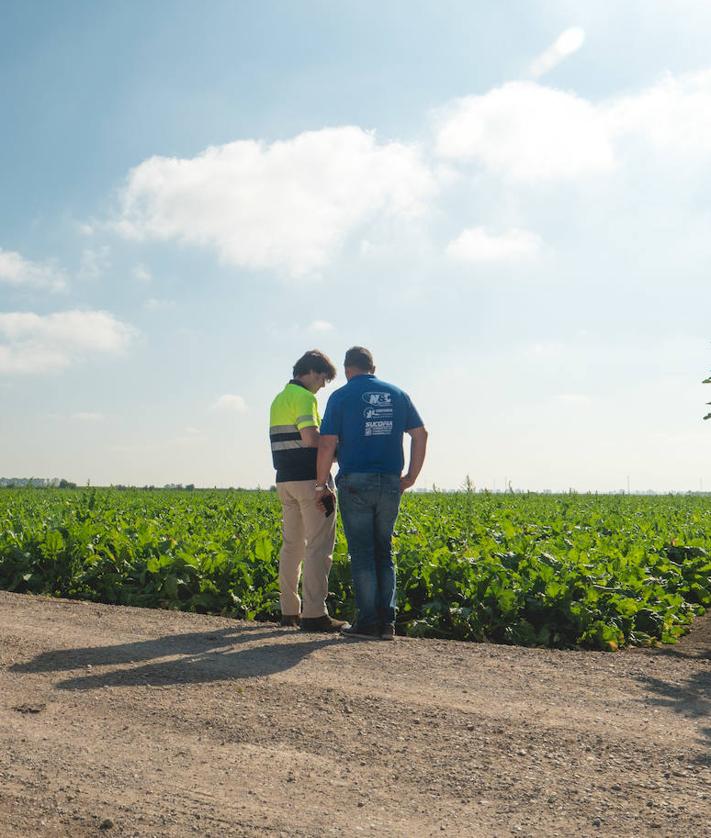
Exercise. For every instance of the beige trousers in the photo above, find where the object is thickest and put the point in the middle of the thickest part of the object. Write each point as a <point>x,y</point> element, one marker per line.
<point>309,537</point>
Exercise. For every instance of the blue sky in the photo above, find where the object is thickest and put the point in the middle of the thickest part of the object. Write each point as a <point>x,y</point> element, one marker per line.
<point>508,203</point>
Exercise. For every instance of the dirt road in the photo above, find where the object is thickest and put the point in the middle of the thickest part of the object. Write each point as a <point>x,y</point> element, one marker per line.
<point>121,721</point>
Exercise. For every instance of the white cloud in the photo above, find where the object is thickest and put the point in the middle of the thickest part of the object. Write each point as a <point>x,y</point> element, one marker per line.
<point>94,262</point>
<point>526,132</point>
<point>673,115</point>
<point>230,403</point>
<point>33,343</point>
<point>479,245</point>
<point>16,270</point>
<point>567,43</point>
<point>321,326</point>
<point>287,205</point>
<point>142,274</point>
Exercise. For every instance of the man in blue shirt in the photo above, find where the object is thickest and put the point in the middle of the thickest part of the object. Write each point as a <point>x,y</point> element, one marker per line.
<point>365,421</point>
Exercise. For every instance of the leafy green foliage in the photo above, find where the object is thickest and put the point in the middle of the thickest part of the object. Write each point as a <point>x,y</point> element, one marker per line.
<point>591,571</point>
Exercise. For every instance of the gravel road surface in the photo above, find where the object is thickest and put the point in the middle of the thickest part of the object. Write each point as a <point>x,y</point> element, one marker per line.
<point>129,722</point>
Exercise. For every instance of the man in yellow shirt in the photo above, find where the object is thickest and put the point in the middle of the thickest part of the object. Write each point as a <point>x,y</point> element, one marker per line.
<point>308,534</point>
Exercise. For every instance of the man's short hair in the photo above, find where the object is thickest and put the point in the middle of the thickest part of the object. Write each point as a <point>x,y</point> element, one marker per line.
<point>314,361</point>
<point>360,358</point>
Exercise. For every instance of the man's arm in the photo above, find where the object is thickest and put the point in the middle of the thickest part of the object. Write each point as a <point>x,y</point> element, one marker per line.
<point>309,436</point>
<point>418,449</point>
<point>326,455</point>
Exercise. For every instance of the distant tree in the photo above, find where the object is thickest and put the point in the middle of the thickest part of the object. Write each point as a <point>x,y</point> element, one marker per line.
<point>67,484</point>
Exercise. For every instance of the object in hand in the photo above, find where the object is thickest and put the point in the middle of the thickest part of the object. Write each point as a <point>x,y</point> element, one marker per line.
<point>328,505</point>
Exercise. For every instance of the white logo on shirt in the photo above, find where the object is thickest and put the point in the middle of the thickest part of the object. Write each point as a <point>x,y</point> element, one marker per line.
<point>379,428</point>
<point>377,399</point>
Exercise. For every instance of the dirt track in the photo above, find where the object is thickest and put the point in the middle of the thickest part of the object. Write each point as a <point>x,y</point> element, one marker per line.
<point>121,721</point>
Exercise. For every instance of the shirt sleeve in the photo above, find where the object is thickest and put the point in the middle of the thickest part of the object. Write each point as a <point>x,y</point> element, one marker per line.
<point>307,409</point>
<point>412,417</point>
<point>331,425</point>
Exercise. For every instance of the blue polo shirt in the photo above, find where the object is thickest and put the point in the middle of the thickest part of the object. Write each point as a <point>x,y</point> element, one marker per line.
<point>369,417</point>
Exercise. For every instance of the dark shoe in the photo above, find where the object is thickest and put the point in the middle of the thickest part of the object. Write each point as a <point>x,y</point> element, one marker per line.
<point>290,620</point>
<point>325,623</point>
<point>388,631</point>
<point>371,632</point>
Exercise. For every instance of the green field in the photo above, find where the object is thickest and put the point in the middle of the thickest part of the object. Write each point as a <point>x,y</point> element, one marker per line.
<point>591,571</point>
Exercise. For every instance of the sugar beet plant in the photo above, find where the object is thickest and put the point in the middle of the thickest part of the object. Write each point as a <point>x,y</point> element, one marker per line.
<point>591,571</point>
<point>211,552</point>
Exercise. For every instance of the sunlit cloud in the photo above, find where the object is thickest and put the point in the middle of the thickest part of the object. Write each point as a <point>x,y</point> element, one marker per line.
<point>479,245</point>
<point>18,271</point>
<point>526,132</point>
<point>33,343</point>
<point>287,206</point>
<point>529,133</point>
<point>672,116</point>
<point>321,326</point>
<point>94,262</point>
<point>230,403</point>
<point>142,274</point>
<point>566,44</point>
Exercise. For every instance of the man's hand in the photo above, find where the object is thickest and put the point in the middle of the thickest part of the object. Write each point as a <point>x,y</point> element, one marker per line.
<point>418,446</point>
<point>321,494</point>
<point>406,482</point>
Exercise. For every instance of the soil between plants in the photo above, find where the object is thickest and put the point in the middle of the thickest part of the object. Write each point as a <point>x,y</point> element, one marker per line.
<point>130,722</point>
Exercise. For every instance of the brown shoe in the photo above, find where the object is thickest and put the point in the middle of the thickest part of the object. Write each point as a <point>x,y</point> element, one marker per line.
<point>325,623</point>
<point>289,620</point>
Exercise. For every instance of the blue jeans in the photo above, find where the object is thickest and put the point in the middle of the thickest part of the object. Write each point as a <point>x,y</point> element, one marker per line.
<point>369,504</point>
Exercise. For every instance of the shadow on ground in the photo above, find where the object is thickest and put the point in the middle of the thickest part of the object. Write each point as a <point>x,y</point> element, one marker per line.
<point>691,699</point>
<point>197,657</point>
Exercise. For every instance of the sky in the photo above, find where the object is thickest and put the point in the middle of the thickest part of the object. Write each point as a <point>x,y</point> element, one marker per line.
<point>507,203</point>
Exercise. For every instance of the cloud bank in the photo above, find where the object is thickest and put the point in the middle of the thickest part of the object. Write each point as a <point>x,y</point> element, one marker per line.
<point>478,245</point>
<point>524,131</point>
<point>33,343</point>
<point>287,205</point>
<point>290,206</point>
<point>529,133</point>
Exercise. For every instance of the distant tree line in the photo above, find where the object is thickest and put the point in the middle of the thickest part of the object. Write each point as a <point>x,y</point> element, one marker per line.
<point>37,482</point>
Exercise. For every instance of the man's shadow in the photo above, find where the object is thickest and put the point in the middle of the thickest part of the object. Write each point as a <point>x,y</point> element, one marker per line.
<point>691,699</point>
<point>202,657</point>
